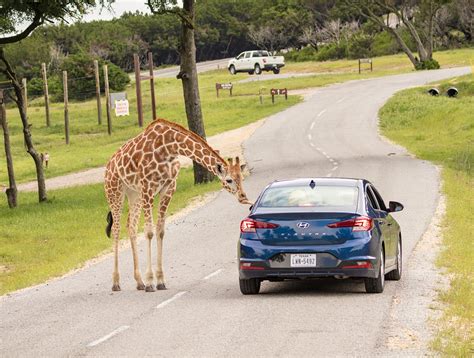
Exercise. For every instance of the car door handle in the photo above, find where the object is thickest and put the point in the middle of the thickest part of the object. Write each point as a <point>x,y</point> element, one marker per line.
<point>389,224</point>
<point>381,222</point>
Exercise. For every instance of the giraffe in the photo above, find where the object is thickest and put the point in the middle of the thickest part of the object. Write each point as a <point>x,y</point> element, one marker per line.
<point>146,166</point>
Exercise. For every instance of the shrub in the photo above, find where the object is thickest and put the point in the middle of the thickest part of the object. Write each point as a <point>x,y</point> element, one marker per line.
<point>332,52</point>
<point>360,46</point>
<point>427,65</point>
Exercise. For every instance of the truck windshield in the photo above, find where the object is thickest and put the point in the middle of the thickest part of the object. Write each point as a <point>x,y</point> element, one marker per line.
<point>342,197</point>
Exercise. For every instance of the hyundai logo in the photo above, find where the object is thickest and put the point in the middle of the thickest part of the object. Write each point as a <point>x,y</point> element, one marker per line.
<point>302,225</point>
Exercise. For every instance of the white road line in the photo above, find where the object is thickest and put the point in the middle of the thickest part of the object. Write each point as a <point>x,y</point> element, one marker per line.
<point>335,163</point>
<point>312,125</point>
<point>335,168</point>
<point>213,274</point>
<point>319,149</point>
<point>311,144</point>
<point>329,175</point>
<point>324,153</point>
<point>168,301</point>
<point>342,99</point>
<point>310,137</point>
<point>108,336</point>
<point>331,160</point>
<point>321,113</point>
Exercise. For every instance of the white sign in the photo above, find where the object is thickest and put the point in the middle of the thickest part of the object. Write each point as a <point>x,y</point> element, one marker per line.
<point>122,108</point>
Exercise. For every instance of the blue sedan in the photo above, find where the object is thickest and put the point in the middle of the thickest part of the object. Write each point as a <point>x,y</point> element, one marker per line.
<point>320,227</point>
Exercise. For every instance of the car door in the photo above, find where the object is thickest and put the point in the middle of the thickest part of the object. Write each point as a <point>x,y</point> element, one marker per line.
<point>389,239</point>
<point>246,62</point>
<point>379,217</point>
<point>239,60</point>
<point>392,228</point>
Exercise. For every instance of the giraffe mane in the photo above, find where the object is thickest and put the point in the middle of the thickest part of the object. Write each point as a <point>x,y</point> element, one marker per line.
<point>186,131</point>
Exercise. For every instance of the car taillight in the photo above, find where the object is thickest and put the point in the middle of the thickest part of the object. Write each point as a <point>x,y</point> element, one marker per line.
<point>359,265</point>
<point>250,225</point>
<point>361,223</point>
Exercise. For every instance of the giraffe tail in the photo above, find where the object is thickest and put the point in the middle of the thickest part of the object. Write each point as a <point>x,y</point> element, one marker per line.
<point>110,221</point>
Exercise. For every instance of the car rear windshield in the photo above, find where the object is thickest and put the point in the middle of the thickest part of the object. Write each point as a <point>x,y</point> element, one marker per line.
<point>340,197</point>
<point>260,54</point>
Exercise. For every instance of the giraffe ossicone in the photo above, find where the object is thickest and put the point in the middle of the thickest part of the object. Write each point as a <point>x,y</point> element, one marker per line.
<point>147,166</point>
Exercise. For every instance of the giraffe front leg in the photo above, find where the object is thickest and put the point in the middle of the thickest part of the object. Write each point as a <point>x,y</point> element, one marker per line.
<point>116,202</point>
<point>132,225</point>
<point>165,198</point>
<point>147,203</point>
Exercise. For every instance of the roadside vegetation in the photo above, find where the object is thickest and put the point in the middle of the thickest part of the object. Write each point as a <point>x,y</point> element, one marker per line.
<point>441,129</point>
<point>91,146</point>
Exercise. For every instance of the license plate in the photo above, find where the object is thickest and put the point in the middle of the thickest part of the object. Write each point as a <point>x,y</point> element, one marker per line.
<point>303,260</point>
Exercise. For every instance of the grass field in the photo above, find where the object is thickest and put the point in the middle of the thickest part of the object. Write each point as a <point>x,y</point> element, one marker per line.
<point>42,241</point>
<point>441,130</point>
<point>91,146</point>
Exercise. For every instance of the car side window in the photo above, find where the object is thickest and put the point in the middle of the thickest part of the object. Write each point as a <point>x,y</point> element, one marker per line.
<point>379,199</point>
<point>241,56</point>
<point>371,197</point>
<point>247,55</point>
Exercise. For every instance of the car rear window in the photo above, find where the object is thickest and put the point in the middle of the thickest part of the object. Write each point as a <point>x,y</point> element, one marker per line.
<point>342,197</point>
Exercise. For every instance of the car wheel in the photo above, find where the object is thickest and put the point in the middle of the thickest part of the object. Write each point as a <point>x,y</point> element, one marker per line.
<point>250,286</point>
<point>376,285</point>
<point>276,71</point>
<point>232,70</point>
<point>251,72</point>
<point>257,69</point>
<point>396,274</point>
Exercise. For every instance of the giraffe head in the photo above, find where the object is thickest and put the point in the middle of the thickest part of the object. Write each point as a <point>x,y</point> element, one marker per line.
<point>231,179</point>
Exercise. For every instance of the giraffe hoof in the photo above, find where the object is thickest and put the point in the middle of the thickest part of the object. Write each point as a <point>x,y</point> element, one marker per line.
<point>149,288</point>
<point>140,286</point>
<point>116,287</point>
<point>161,286</point>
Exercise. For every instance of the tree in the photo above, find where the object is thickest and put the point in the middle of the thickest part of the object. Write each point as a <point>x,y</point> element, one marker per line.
<point>417,17</point>
<point>34,13</point>
<point>188,72</point>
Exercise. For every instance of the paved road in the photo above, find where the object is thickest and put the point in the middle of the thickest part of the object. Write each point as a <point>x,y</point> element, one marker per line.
<point>203,313</point>
<point>201,67</point>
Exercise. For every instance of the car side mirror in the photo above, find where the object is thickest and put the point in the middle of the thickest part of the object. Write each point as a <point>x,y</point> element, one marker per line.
<point>394,206</point>
<point>251,207</point>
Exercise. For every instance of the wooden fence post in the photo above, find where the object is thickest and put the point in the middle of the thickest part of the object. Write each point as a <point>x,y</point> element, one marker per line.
<point>66,109</point>
<point>107,99</point>
<point>136,62</point>
<point>25,93</point>
<point>46,93</point>
<point>97,92</point>
<point>152,84</point>
<point>12,190</point>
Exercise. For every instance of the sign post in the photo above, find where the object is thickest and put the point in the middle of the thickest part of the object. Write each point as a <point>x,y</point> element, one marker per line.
<point>224,86</point>
<point>365,60</point>
<point>275,91</point>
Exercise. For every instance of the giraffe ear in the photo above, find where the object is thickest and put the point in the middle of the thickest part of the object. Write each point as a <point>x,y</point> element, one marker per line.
<point>220,169</point>
<point>229,160</point>
<point>242,167</point>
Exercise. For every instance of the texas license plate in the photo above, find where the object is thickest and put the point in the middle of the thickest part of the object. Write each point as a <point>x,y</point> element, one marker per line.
<point>303,260</point>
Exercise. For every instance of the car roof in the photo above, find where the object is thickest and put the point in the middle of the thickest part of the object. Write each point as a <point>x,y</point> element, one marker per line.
<point>318,181</point>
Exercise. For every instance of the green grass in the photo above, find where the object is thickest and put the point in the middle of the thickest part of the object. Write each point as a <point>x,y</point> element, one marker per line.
<point>91,146</point>
<point>39,241</point>
<point>441,130</point>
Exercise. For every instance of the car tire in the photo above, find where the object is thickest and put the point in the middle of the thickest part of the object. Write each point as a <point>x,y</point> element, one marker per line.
<point>257,69</point>
<point>249,286</point>
<point>376,285</point>
<point>396,274</point>
<point>251,72</point>
<point>232,70</point>
<point>276,71</point>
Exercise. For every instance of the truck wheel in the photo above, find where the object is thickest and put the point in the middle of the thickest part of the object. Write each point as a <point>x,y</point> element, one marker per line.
<point>250,286</point>
<point>276,71</point>
<point>232,70</point>
<point>257,69</point>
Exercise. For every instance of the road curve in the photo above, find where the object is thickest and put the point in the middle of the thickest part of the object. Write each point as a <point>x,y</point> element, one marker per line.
<point>334,132</point>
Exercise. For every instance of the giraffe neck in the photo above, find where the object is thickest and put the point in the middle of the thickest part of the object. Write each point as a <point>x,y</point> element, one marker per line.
<point>189,144</point>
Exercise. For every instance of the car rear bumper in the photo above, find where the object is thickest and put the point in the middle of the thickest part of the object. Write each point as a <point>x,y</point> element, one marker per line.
<point>271,66</point>
<point>257,260</point>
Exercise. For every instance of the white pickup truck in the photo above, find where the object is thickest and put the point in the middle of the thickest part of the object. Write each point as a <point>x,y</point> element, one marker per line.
<point>255,62</point>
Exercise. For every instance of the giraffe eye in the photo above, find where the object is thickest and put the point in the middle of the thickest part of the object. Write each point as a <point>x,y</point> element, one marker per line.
<point>229,181</point>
